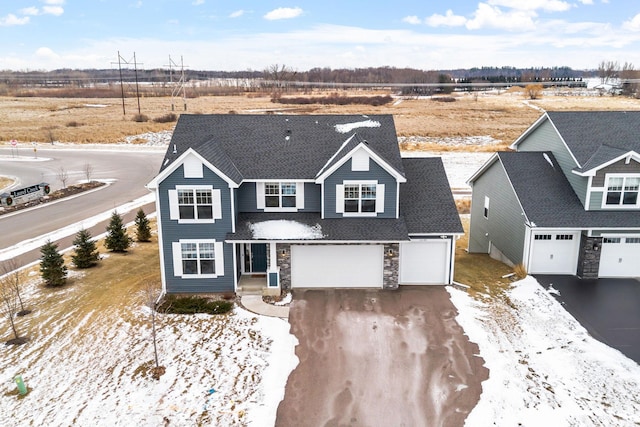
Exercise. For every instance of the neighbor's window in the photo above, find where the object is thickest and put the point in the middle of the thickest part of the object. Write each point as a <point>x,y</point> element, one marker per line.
<point>622,190</point>
<point>360,197</point>
<point>280,194</point>
<point>195,204</point>
<point>486,207</point>
<point>198,258</point>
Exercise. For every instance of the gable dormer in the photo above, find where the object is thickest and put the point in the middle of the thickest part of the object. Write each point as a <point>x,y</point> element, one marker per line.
<point>357,182</point>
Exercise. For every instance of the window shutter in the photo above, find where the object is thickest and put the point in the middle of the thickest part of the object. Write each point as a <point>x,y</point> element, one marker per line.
<point>300,195</point>
<point>260,195</point>
<point>174,212</point>
<point>219,248</point>
<point>177,258</point>
<point>217,204</point>
<point>380,198</point>
<point>340,198</point>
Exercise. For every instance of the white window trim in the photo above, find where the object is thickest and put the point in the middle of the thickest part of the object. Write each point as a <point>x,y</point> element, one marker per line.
<point>174,212</point>
<point>379,198</point>
<point>261,196</point>
<point>605,191</point>
<point>218,254</point>
<point>485,211</point>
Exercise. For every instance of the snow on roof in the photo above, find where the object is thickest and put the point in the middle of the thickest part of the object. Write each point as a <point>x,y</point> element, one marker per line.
<point>348,127</point>
<point>285,229</point>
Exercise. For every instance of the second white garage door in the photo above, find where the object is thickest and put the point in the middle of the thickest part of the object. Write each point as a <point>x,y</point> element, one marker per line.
<point>424,262</point>
<point>337,266</point>
<point>554,253</point>
<point>620,257</point>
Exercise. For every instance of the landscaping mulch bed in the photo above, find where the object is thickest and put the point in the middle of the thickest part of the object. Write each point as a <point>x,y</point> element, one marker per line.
<point>59,194</point>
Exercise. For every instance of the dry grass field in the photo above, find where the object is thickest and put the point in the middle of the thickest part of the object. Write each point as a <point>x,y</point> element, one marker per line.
<point>502,116</point>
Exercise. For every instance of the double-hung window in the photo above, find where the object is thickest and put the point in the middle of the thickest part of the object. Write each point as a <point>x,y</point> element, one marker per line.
<point>198,258</point>
<point>280,194</point>
<point>360,198</point>
<point>190,204</point>
<point>622,191</point>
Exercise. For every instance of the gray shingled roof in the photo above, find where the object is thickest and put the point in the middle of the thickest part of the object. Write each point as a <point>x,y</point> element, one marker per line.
<point>277,146</point>
<point>548,199</point>
<point>334,229</point>
<point>586,131</point>
<point>426,202</point>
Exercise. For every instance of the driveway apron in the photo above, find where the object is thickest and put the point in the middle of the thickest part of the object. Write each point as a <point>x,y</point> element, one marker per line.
<point>609,309</point>
<point>380,358</point>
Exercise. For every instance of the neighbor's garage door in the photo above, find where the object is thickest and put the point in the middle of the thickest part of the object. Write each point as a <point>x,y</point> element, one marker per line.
<point>554,253</point>
<point>337,266</point>
<point>424,262</point>
<point>620,257</point>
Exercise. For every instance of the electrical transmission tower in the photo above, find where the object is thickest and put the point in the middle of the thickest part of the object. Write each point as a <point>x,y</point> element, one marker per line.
<point>121,61</point>
<point>178,86</point>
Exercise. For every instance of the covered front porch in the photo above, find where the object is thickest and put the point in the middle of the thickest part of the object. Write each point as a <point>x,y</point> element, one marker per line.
<point>259,267</point>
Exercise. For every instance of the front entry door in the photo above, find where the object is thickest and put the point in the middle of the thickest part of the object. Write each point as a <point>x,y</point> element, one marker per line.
<point>258,257</point>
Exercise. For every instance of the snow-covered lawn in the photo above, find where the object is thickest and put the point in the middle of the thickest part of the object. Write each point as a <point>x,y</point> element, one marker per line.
<point>544,368</point>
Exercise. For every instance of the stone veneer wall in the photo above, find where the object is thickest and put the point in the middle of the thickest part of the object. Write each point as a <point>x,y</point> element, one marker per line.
<point>588,258</point>
<point>391,265</point>
<point>284,262</point>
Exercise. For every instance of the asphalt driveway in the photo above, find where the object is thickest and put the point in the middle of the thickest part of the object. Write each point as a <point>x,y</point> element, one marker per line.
<point>380,358</point>
<point>608,308</point>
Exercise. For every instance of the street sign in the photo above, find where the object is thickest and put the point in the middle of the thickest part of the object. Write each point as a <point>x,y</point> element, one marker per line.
<point>14,142</point>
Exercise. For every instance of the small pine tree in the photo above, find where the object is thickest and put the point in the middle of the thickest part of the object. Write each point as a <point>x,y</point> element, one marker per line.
<point>86,253</point>
<point>143,231</point>
<point>52,268</point>
<point>117,239</point>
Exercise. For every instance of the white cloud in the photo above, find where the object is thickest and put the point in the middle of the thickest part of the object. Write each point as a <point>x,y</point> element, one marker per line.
<point>487,16</point>
<point>236,14</point>
<point>11,20</point>
<point>413,20</point>
<point>53,1</point>
<point>283,13</point>
<point>52,10</point>
<point>197,2</point>
<point>546,5</point>
<point>449,19</point>
<point>633,24</point>
<point>591,1</point>
<point>32,11</point>
<point>46,53</point>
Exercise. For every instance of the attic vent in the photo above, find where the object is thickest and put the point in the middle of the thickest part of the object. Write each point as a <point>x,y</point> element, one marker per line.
<point>546,157</point>
<point>175,149</point>
<point>288,135</point>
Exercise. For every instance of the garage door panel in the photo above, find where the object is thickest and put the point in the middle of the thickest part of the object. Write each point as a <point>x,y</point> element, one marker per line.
<point>554,253</point>
<point>337,266</point>
<point>424,262</point>
<point>620,257</point>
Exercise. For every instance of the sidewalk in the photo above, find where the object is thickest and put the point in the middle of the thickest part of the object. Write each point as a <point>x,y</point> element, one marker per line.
<point>255,304</point>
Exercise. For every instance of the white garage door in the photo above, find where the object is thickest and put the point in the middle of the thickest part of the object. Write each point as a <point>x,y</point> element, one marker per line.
<point>620,257</point>
<point>424,262</point>
<point>337,266</point>
<point>554,253</point>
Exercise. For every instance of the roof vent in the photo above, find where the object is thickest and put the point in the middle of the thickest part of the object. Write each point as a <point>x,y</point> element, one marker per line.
<point>546,157</point>
<point>175,149</point>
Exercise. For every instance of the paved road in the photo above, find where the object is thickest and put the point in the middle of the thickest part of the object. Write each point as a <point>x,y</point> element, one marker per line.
<point>608,308</point>
<point>380,358</point>
<point>129,170</point>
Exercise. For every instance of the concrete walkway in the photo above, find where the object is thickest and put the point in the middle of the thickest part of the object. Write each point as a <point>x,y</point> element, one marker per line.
<point>255,304</point>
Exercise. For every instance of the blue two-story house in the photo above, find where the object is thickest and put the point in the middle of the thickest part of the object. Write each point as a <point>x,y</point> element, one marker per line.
<point>302,201</point>
<point>566,201</point>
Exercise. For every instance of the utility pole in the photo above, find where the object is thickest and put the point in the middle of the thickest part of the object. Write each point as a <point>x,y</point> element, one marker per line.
<point>135,70</point>
<point>124,112</point>
<point>177,88</point>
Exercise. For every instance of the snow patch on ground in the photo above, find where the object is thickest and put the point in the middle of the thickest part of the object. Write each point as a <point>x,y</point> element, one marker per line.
<point>283,229</point>
<point>458,166</point>
<point>151,138</point>
<point>348,127</point>
<point>544,368</point>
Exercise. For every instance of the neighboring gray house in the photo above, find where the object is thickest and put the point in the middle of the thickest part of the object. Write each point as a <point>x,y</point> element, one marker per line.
<point>566,202</point>
<point>303,201</point>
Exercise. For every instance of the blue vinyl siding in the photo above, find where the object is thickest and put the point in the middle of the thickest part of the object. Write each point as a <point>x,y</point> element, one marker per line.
<point>173,232</point>
<point>504,227</point>
<point>545,138</point>
<point>247,197</point>
<point>375,173</point>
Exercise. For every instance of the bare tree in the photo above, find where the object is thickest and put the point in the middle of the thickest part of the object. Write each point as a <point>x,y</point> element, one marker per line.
<point>9,308</point>
<point>12,274</point>
<point>63,176</point>
<point>278,74</point>
<point>152,295</point>
<point>88,171</point>
<point>533,91</point>
<point>608,70</point>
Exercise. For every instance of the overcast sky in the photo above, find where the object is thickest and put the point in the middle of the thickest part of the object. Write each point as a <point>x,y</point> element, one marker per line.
<point>303,34</point>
